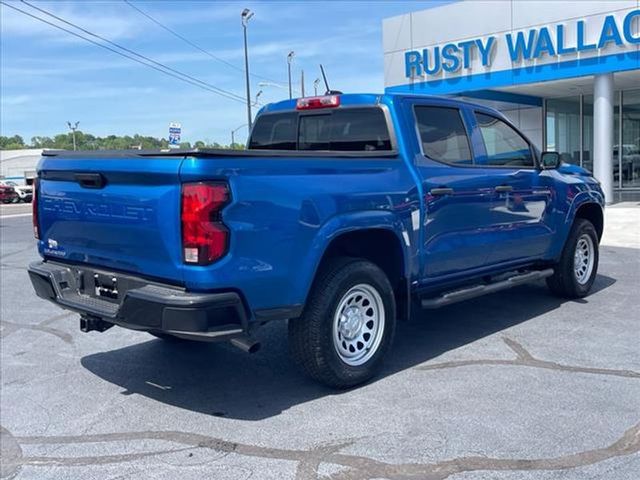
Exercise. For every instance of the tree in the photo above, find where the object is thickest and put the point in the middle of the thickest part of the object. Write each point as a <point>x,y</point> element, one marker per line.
<point>12,143</point>
<point>87,141</point>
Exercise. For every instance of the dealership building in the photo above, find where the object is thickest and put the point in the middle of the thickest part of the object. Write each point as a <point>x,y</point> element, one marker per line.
<point>567,73</point>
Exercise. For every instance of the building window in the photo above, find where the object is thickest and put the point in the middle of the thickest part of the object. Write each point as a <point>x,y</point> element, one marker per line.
<point>630,151</point>
<point>563,128</point>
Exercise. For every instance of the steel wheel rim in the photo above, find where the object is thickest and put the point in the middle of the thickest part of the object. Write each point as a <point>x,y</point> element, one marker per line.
<point>583,259</point>
<point>358,325</point>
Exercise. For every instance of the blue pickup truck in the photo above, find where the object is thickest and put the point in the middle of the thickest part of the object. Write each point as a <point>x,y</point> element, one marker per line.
<point>344,214</point>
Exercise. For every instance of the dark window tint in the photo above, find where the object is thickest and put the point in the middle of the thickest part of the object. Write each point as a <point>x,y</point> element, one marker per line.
<point>314,132</point>
<point>275,132</point>
<point>359,129</point>
<point>348,129</point>
<point>504,145</point>
<point>443,135</point>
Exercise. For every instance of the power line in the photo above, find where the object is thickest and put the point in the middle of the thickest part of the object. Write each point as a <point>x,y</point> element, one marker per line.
<point>220,90</point>
<point>160,67</point>
<point>189,42</point>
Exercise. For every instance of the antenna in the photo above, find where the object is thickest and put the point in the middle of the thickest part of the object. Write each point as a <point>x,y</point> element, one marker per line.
<point>324,77</point>
<point>326,84</point>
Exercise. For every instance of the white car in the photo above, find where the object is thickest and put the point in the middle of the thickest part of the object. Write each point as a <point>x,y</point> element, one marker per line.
<point>25,192</point>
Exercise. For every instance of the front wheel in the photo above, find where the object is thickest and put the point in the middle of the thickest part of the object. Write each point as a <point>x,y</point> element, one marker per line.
<point>576,271</point>
<point>347,325</point>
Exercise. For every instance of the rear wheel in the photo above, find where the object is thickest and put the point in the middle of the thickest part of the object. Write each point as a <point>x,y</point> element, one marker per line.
<point>576,271</point>
<point>347,326</point>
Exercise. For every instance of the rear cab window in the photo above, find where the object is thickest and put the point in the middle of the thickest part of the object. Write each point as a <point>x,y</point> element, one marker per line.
<point>275,131</point>
<point>351,129</point>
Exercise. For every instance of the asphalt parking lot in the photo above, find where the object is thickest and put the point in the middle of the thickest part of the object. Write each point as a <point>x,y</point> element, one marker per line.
<point>516,385</point>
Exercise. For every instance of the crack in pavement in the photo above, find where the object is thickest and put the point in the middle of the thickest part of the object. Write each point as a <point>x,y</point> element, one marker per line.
<point>11,327</point>
<point>357,467</point>
<point>525,359</point>
<point>17,252</point>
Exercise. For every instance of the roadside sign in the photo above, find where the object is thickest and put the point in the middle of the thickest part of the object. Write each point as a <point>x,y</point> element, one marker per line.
<point>175,130</point>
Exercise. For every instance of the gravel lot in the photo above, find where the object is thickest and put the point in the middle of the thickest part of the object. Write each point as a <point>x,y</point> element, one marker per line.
<point>517,385</point>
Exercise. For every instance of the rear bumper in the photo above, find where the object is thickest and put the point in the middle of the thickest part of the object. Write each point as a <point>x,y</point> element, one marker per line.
<point>142,305</point>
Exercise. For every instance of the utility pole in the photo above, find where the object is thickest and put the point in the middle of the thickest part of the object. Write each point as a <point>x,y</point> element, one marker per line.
<point>316,82</point>
<point>73,129</point>
<point>246,16</point>
<point>289,60</point>
<point>302,82</point>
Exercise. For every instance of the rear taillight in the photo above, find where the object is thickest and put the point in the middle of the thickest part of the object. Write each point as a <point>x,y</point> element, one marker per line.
<point>34,209</point>
<point>204,237</point>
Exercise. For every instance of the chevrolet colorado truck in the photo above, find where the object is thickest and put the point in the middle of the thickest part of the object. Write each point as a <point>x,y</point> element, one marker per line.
<point>345,213</point>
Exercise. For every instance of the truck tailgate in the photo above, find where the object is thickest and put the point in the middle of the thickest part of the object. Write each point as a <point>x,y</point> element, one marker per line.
<point>121,213</point>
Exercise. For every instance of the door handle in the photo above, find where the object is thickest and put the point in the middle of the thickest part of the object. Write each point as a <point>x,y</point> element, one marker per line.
<point>90,180</point>
<point>504,188</point>
<point>441,191</point>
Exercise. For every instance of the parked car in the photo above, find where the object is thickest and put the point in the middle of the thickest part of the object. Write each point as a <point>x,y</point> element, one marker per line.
<point>345,213</point>
<point>8,194</point>
<point>25,192</point>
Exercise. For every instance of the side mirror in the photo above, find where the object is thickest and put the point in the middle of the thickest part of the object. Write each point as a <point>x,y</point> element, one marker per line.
<point>549,160</point>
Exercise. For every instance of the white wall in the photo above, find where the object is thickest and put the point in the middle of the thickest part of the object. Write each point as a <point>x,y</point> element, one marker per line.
<point>15,164</point>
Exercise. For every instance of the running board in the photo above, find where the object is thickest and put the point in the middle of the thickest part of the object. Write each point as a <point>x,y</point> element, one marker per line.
<point>479,290</point>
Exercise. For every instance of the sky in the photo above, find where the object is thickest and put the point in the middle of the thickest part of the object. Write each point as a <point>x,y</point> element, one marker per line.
<point>49,77</point>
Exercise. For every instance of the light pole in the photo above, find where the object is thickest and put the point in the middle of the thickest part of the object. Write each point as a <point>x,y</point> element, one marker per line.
<point>73,129</point>
<point>255,103</point>
<point>316,82</point>
<point>233,134</point>
<point>246,16</point>
<point>289,60</point>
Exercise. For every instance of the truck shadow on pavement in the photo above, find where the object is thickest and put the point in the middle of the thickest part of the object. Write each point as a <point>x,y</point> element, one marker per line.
<point>219,380</point>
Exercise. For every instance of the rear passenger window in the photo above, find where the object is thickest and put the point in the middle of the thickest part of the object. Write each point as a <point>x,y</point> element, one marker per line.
<point>443,135</point>
<point>276,131</point>
<point>504,145</point>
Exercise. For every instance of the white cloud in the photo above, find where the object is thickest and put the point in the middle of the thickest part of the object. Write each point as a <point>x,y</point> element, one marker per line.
<point>109,21</point>
<point>11,100</point>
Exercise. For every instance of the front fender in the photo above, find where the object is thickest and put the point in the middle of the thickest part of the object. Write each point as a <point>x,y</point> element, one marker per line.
<point>578,195</point>
<point>581,198</point>
<point>337,226</point>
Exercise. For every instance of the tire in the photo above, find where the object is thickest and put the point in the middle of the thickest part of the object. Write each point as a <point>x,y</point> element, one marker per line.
<point>342,351</point>
<point>576,271</point>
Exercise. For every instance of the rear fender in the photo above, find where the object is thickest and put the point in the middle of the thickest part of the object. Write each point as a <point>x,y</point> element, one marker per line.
<point>339,225</point>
